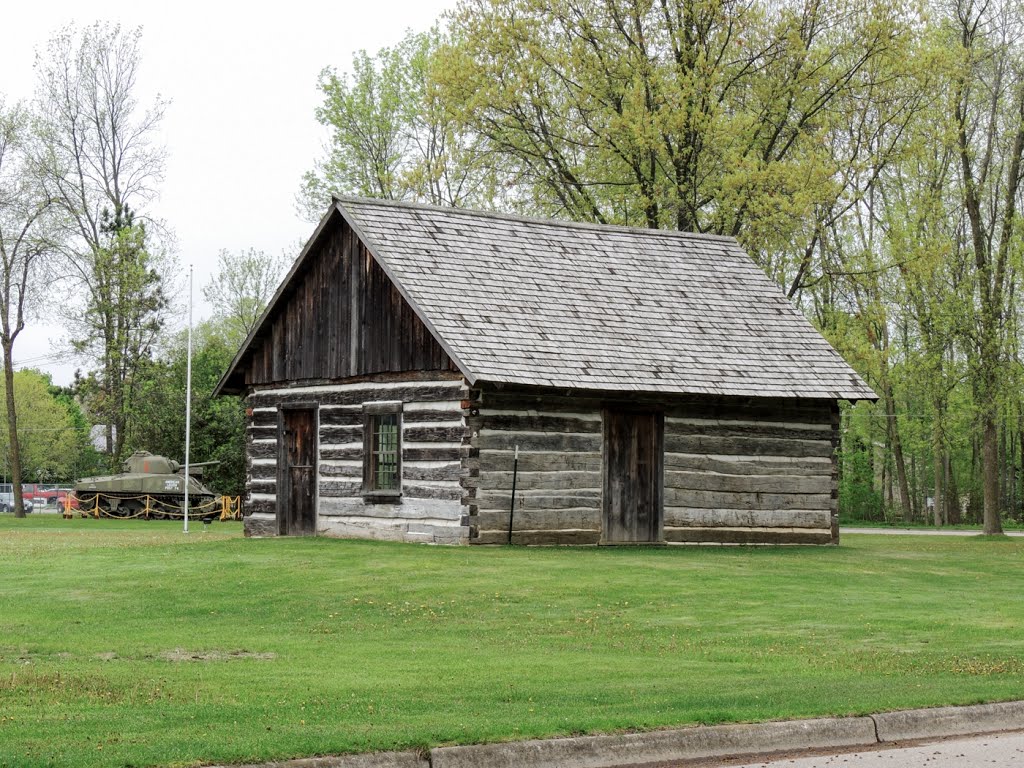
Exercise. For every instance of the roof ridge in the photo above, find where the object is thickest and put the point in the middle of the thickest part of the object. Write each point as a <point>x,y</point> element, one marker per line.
<point>555,223</point>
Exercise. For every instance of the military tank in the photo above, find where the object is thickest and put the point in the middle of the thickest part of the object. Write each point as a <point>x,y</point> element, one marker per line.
<point>148,482</point>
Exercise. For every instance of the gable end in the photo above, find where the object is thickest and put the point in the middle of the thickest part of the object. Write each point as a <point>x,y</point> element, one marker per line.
<point>337,315</point>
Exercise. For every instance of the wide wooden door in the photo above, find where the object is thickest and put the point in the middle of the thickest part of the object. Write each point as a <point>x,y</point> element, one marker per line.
<point>296,497</point>
<point>633,466</point>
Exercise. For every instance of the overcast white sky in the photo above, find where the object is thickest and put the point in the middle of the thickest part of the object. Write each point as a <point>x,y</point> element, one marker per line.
<point>240,130</point>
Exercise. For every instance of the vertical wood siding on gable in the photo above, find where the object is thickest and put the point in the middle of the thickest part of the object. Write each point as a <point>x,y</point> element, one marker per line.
<point>342,317</point>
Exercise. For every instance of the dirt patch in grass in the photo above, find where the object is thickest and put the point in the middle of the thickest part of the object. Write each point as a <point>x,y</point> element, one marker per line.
<point>180,654</point>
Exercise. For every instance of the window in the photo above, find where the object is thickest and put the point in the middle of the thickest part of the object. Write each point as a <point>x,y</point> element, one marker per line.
<point>382,450</point>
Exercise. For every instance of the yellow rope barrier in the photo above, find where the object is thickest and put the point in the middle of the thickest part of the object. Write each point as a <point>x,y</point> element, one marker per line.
<point>231,508</point>
<point>227,507</point>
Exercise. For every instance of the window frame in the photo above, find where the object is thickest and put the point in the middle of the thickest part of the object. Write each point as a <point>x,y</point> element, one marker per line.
<point>370,413</point>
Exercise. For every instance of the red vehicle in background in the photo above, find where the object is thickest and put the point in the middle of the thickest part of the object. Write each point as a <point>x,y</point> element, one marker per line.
<point>54,497</point>
<point>45,496</point>
<point>62,498</point>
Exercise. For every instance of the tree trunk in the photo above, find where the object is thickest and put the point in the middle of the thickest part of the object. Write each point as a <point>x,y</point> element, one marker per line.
<point>952,511</point>
<point>1020,438</point>
<point>108,433</point>
<point>915,488</point>
<point>897,451</point>
<point>990,475</point>
<point>890,503</point>
<point>1009,475</point>
<point>14,454</point>
<point>1004,486</point>
<point>940,476</point>
<point>973,501</point>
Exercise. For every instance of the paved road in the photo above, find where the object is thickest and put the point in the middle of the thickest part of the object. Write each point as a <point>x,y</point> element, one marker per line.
<point>919,532</point>
<point>998,750</point>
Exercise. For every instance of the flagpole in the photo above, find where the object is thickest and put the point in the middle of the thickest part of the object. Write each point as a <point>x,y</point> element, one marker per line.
<point>188,397</point>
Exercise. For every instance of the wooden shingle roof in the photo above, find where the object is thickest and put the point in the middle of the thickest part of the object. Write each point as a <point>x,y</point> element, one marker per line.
<point>558,304</point>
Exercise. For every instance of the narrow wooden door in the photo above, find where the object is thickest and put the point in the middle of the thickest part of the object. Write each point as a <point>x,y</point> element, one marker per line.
<point>633,468</point>
<point>296,498</point>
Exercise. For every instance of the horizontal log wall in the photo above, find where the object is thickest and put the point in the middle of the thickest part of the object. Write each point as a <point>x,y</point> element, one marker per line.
<point>261,472</point>
<point>558,485</point>
<point>736,471</point>
<point>433,431</point>
<point>740,474</point>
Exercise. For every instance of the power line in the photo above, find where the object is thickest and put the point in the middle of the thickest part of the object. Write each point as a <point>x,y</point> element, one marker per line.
<point>48,358</point>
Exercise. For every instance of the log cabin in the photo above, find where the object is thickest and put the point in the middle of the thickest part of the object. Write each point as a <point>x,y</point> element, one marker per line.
<point>449,376</point>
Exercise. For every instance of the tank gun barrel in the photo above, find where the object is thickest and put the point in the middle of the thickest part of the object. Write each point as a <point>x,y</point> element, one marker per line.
<point>195,469</point>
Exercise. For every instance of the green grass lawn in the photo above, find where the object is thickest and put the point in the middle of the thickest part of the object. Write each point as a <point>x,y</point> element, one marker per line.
<point>1008,525</point>
<point>129,643</point>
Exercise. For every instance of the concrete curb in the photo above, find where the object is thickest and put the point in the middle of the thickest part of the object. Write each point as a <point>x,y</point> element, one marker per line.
<point>369,760</point>
<point>694,743</point>
<point>660,746</point>
<point>949,721</point>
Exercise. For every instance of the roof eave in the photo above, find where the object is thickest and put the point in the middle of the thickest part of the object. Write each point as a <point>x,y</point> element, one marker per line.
<point>853,396</point>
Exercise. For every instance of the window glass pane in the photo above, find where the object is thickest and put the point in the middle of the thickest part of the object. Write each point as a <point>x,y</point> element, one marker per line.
<point>384,452</point>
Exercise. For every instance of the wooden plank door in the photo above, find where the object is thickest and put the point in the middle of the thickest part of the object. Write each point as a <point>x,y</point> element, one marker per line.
<point>296,498</point>
<point>633,464</point>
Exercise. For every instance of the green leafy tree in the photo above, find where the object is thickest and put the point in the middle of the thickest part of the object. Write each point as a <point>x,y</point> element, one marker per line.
<point>988,118</point>
<point>921,231</point>
<point>240,289</point>
<point>49,434</point>
<point>218,424</point>
<point>99,158</point>
<point>392,135</point>
<point>703,115</point>
<point>76,440</point>
<point>27,239</point>
<point>859,496</point>
<point>124,315</point>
